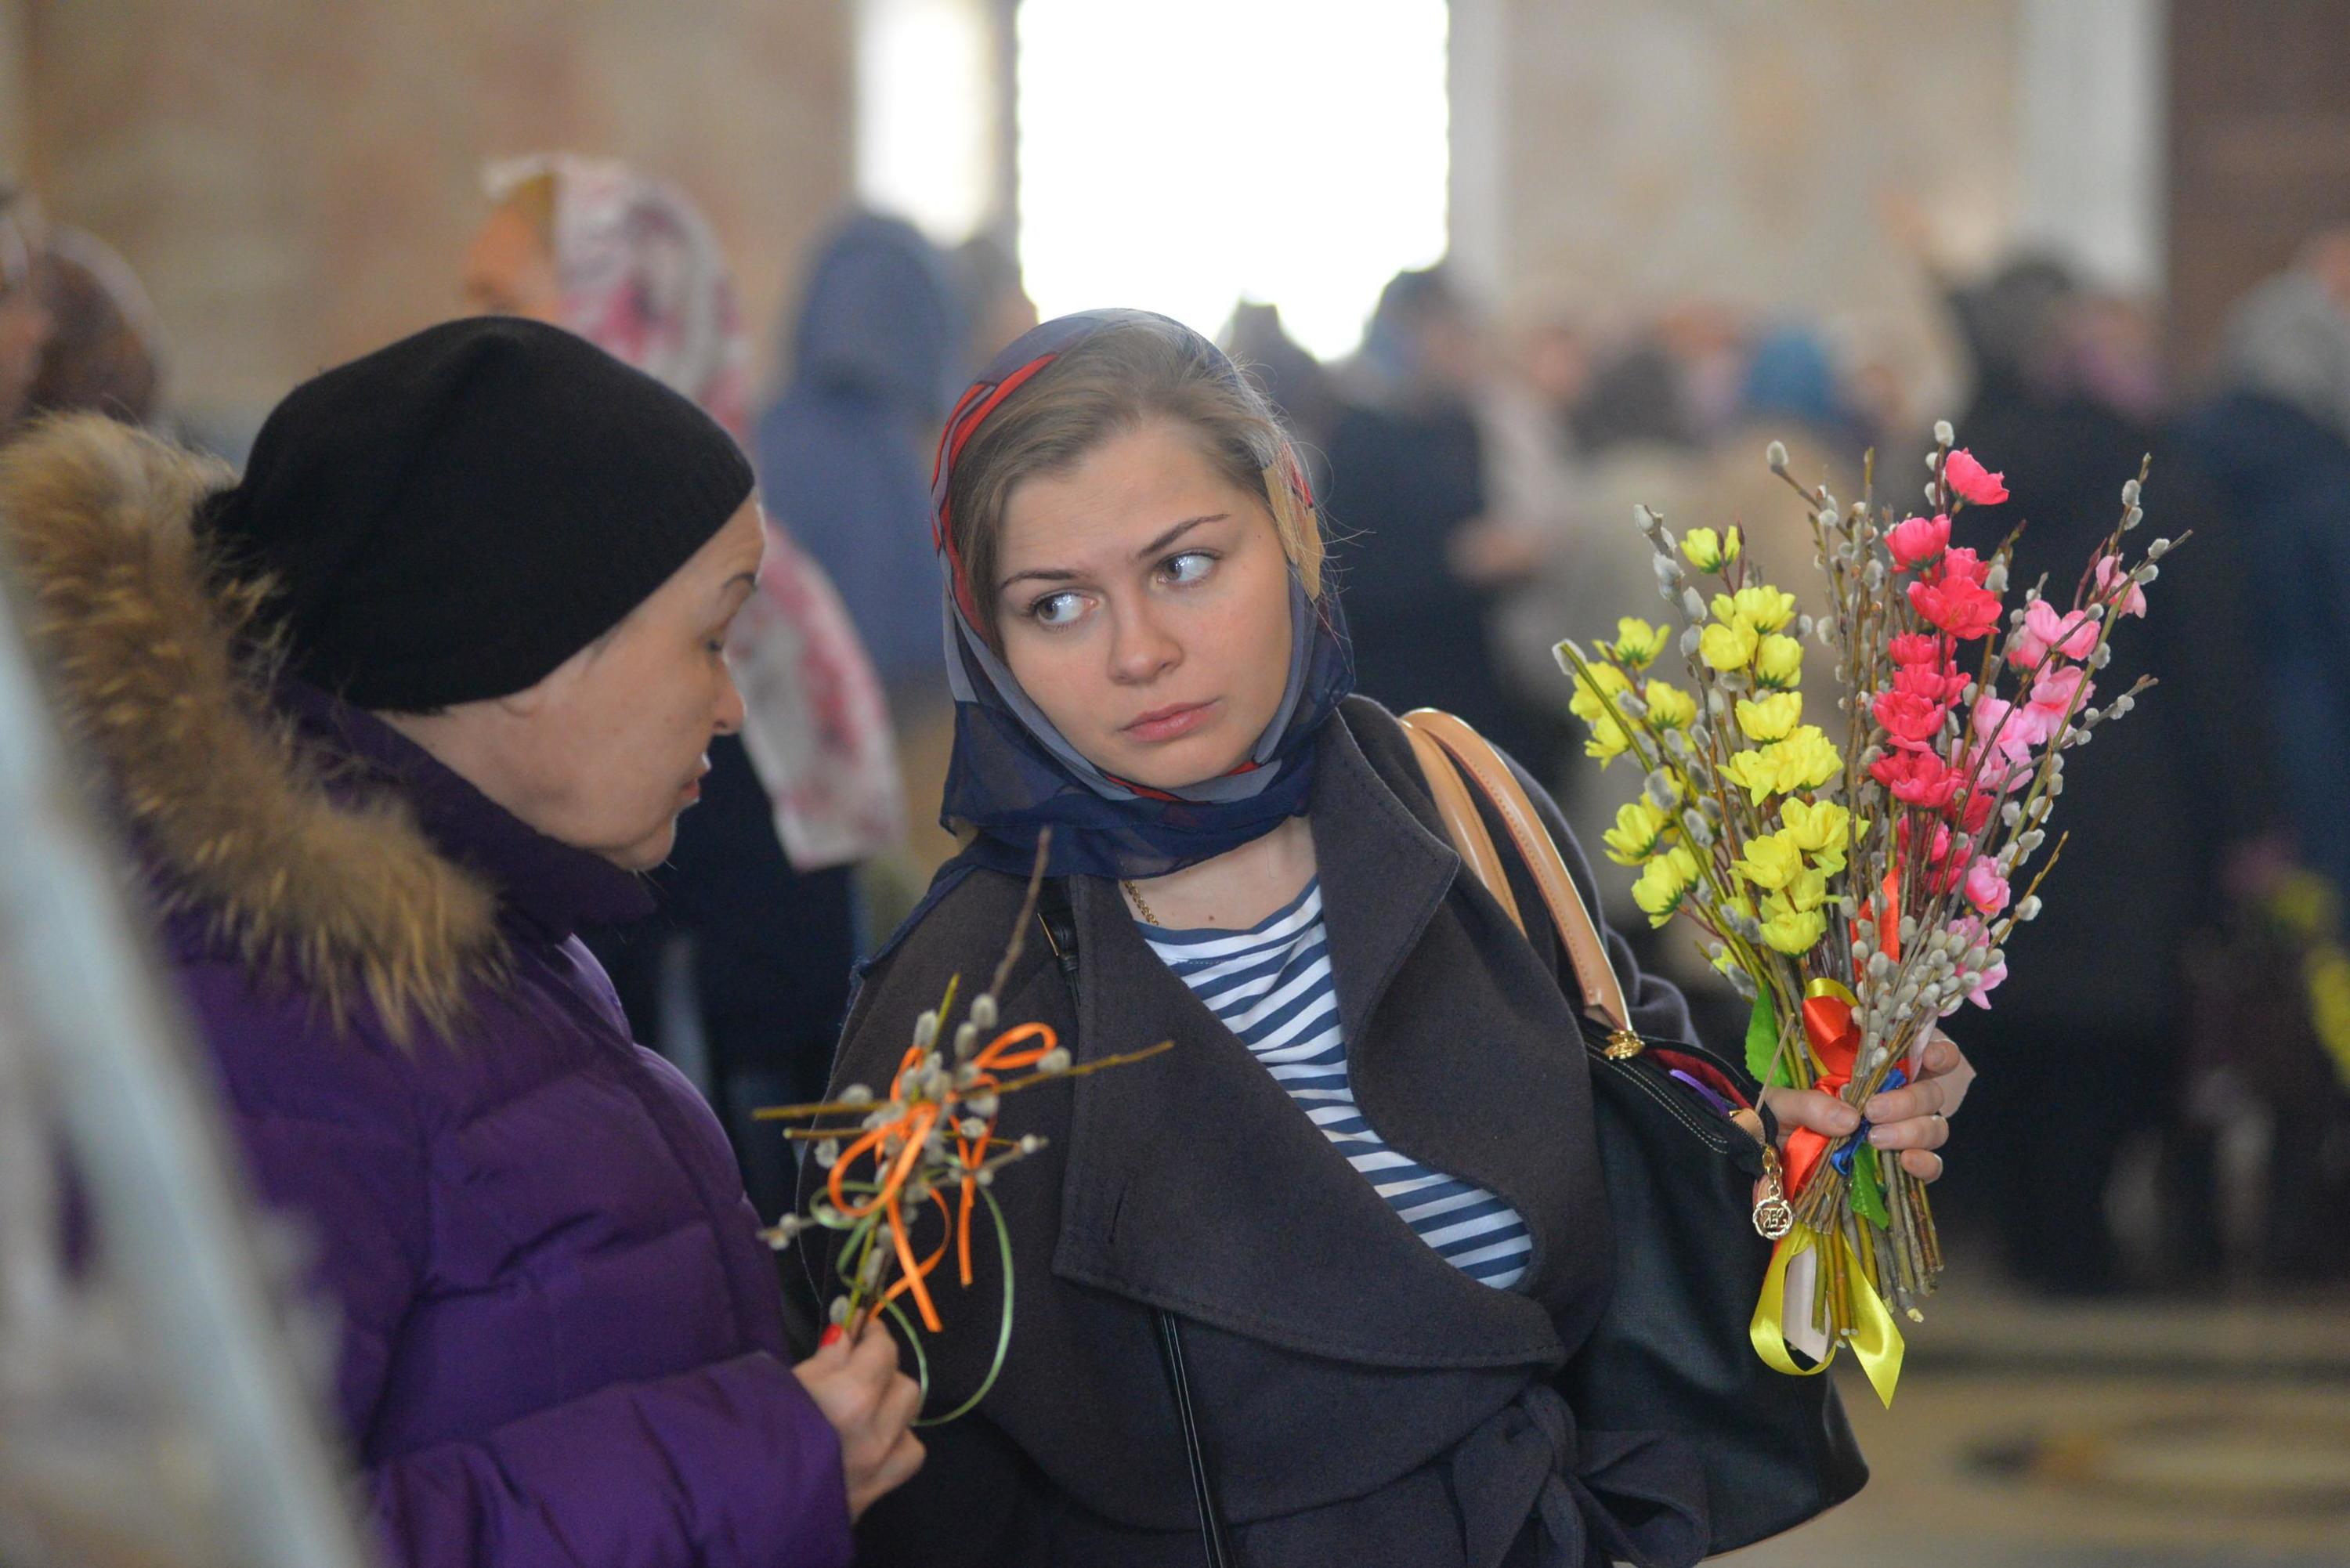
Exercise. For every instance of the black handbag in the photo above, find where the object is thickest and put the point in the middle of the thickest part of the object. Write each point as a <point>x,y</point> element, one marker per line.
<point>1672,1353</point>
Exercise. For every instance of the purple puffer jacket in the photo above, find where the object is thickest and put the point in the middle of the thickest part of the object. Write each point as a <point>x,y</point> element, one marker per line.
<point>562,1340</point>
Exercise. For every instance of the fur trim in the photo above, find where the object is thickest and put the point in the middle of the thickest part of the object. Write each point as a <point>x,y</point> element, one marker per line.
<point>149,655</point>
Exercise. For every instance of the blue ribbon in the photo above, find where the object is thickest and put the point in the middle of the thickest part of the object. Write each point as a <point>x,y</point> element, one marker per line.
<point>1842,1157</point>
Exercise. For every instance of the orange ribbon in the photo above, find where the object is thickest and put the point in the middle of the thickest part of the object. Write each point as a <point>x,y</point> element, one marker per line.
<point>1835,1042</point>
<point>896,1146</point>
<point>1836,1045</point>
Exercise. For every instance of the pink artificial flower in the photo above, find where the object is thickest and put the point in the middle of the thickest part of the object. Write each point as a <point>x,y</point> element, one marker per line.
<point>1986,888</point>
<point>1998,725</point>
<point>1919,648</point>
<point>2110,570</point>
<point>2053,692</point>
<point>1965,565</point>
<point>1992,980</point>
<point>2004,775</point>
<point>2072,634</point>
<point>1945,865</point>
<point>1935,683</point>
<point>1946,869</point>
<point>1975,814</point>
<point>1913,721</point>
<point>1916,778</point>
<point>1970,481</point>
<point>1965,610</point>
<point>1971,933</point>
<point>1918,540</point>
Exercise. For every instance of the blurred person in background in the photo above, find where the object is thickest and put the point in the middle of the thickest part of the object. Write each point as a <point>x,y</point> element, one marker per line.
<point>1635,398</point>
<point>2084,1048</point>
<point>844,453</point>
<point>25,325</point>
<point>1410,462</point>
<point>1708,347</point>
<point>744,972</point>
<point>1533,545</point>
<point>1299,385</point>
<point>2275,1054</point>
<point>1791,381</point>
<point>994,303</point>
<point>105,348</point>
<point>2275,438</point>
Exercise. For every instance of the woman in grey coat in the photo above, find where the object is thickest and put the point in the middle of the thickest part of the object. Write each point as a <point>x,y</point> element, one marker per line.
<point>1365,1179</point>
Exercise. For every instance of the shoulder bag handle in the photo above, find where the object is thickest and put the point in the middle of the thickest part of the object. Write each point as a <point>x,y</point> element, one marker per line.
<point>1448,750</point>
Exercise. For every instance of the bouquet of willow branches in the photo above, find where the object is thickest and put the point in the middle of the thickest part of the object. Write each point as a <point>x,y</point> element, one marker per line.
<point>1854,886</point>
<point>927,1151</point>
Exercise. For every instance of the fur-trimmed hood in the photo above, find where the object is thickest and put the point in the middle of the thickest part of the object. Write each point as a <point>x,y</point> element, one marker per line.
<point>152,659</point>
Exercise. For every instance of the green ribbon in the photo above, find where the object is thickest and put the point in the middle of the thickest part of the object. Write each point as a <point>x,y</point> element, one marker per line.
<point>1762,1041</point>
<point>1867,1188</point>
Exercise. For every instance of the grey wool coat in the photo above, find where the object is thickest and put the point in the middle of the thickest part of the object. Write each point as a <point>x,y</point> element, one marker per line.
<point>1362,1401</point>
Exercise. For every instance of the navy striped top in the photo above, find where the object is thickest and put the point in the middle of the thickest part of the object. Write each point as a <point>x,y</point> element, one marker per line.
<point>1271,986</point>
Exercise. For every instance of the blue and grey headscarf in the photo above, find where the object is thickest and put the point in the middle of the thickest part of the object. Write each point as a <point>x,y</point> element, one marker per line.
<point>1013,775</point>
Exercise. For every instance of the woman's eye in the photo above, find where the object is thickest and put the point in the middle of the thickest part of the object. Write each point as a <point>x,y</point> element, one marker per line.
<point>1189,566</point>
<point>1057,609</point>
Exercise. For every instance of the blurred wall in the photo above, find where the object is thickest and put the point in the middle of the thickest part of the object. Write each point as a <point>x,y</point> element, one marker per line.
<point>1750,152</point>
<point>295,181</point>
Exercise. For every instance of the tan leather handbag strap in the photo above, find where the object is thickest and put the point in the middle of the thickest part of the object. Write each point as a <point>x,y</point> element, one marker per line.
<point>1471,753</point>
<point>1462,825</point>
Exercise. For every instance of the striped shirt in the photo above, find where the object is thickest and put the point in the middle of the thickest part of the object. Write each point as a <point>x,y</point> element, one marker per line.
<point>1271,986</point>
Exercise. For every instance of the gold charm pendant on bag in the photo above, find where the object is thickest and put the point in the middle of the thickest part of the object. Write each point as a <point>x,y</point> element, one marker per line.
<point>1774,1215</point>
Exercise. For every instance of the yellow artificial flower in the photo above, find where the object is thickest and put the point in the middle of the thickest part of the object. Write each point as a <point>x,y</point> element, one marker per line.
<point>1816,827</point>
<point>1753,771</point>
<point>1640,828</point>
<point>1638,643</point>
<point>1728,644</point>
<point>1772,862</point>
<point>1807,889</point>
<point>1822,830</point>
<point>1771,718</point>
<point>1779,663</point>
<point>1664,882</point>
<point>1669,707</point>
<point>1805,760</point>
<point>1607,740</point>
<point>1759,605</point>
<point>1709,551</point>
<point>1602,682</point>
<point>1788,930</point>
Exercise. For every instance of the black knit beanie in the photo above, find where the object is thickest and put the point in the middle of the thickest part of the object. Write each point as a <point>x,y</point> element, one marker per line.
<point>450,518</point>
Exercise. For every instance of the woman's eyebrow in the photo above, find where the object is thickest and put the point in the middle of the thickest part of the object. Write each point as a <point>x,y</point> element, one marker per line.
<point>1064,574</point>
<point>1177,532</point>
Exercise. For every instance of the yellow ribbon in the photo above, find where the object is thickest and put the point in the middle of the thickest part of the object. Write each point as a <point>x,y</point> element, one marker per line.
<point>1875,1338</point>
<point>1835,988</point>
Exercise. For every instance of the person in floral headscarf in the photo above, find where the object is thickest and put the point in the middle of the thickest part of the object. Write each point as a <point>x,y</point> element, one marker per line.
<point>757,905</point>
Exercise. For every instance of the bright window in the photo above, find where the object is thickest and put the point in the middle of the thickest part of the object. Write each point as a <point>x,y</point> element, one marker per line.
<point>925,116</point>
<point>1181,157</point>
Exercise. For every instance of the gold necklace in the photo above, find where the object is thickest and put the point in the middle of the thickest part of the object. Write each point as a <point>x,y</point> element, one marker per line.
<point>1142,907</point>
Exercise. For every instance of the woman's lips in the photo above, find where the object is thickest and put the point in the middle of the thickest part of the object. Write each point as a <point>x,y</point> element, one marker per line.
<point>1170,723</point>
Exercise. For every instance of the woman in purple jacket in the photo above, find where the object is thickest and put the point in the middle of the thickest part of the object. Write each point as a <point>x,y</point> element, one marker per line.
<point>385,722</point>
